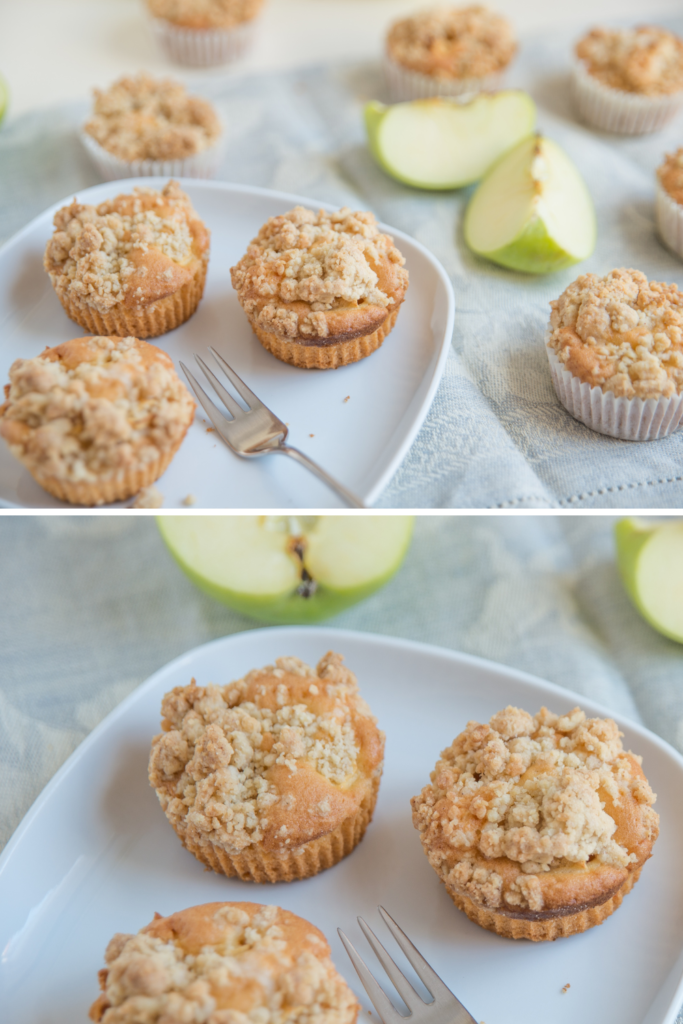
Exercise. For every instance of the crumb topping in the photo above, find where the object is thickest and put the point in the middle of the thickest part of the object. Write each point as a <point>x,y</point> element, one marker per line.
<point>149,497</point>
<point>141,118</point>
<point>453,42</point>
<point>327,261</point>
<point>228,762</point>
<point>529,791</point>
<point>205,13</point>
<point>646,60</point>
<point>621,333</point>
<point>670,175</point>
<point>94,407</point>
<point>247,964</point>
<point>133,249</point>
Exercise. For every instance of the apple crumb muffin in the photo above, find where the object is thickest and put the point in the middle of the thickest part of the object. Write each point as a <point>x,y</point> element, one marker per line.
<point>321,290</point>
<point>272,777</point>
<point>95,419</point>
<point>133,265</point>
<point>621,333</point>
<point>142,118</point>
<point>537,825</point>
<point>670,175</point>
<point>223,963</point>
<point>647,60</point>
<point>453,42</point>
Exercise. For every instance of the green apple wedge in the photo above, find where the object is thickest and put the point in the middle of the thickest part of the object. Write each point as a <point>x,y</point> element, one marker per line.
<point>532,212</point>
<point>443,144</point>
<point>650,560</point>
<point>4,98</point>
<point>286,569</point>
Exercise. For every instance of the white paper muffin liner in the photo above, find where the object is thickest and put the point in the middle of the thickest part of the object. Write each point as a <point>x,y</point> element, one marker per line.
<point>203,47</point>
<point>404,84</point>
<point>669,218</point>
<point>204,164</point>
<point>624,113</point>
<point>630,419</point>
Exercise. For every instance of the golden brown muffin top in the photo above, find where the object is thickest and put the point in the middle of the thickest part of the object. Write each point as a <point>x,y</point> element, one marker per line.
<point>134,249</point>
<point>621,333</point>
<point>205,13</point>
<point>277,758</point>
<point>453,42</point>
<point>142,118</point>
<point>647,60</point>
<point>223,963</point>
<point>92,407</point>
<point>303,267</point>
<point>670,175</point>
<point>516,803</point>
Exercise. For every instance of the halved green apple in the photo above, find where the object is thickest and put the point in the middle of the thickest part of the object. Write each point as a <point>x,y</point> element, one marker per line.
<point>532,212</point>
<point>650,560</point>
<point>282,569</point>
<point>443,144</point>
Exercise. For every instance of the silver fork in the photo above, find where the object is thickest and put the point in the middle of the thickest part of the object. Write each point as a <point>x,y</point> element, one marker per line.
<point>444,1008</point>
<point>256,430</point>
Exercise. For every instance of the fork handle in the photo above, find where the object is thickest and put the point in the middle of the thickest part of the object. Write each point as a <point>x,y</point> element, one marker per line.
<point>347,496</point>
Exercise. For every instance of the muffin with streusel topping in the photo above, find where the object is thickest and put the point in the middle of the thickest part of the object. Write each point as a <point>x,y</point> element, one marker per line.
<point>141,126</point>
<point>204,32</point>
<point>539,825</point>
<point>220,963</point>
<point>628,81</point>
<point>95,420</point>
<point>321,290</point>
<point>448,51</point>
<point>134,265</point>
<point>669,201</point>
<point>615,346</point>
<point>273,777</point>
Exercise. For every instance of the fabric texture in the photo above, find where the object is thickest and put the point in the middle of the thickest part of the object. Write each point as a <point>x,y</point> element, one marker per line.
<point>97,604</point>
<point>496,436</point>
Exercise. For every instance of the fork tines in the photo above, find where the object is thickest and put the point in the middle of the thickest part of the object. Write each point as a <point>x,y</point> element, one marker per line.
<point>444,1008</point>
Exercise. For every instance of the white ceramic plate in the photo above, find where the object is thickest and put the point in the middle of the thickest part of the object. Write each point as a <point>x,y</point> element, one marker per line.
<point>361,441</point>
<point>95,854</point>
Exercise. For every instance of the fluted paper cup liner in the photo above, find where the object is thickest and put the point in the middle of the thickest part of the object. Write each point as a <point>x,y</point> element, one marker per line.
<point>624,113</point>
<point>630,419</point>
<point>405,84</point>
<point>669,218</point>
<point>256,865</point>
<point>202,165</point>
<point>544,930</point>
<point>203,47</point>
<point>324,357</point>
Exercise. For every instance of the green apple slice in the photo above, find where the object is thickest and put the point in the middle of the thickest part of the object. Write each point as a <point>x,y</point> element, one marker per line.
<point>443,144</point>
<point>283,569</point>
<point>4,97</point>
<point>650,559</point>
<point>532,211</point>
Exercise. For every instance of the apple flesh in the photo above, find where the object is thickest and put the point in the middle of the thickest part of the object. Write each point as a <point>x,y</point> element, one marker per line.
<point>532,212</point>
<point>443,144</point>
<point>650,560</point>
<point>287,569</point>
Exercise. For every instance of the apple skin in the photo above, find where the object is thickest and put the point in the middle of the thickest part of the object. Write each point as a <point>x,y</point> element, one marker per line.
<point>632,536</point>
<point>374,114</point>
<point>532,252</point>
<point>291,608</point>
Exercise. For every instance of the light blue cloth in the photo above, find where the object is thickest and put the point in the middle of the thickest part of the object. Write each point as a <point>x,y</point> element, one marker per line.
<point>95,604</point>
<point>496,435</point>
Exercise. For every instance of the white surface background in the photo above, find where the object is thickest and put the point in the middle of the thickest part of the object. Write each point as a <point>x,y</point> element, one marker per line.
<point>56,50</point>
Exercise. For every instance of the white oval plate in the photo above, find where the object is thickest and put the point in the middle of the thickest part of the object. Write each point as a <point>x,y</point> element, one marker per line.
<point>360,441</point>
<point>95,854</point>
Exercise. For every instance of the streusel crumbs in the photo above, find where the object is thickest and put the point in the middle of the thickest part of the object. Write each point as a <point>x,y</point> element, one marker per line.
<point>205,14</point>
<point>646,60</point>
<point>453,42</point>
<point>141,118</point>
